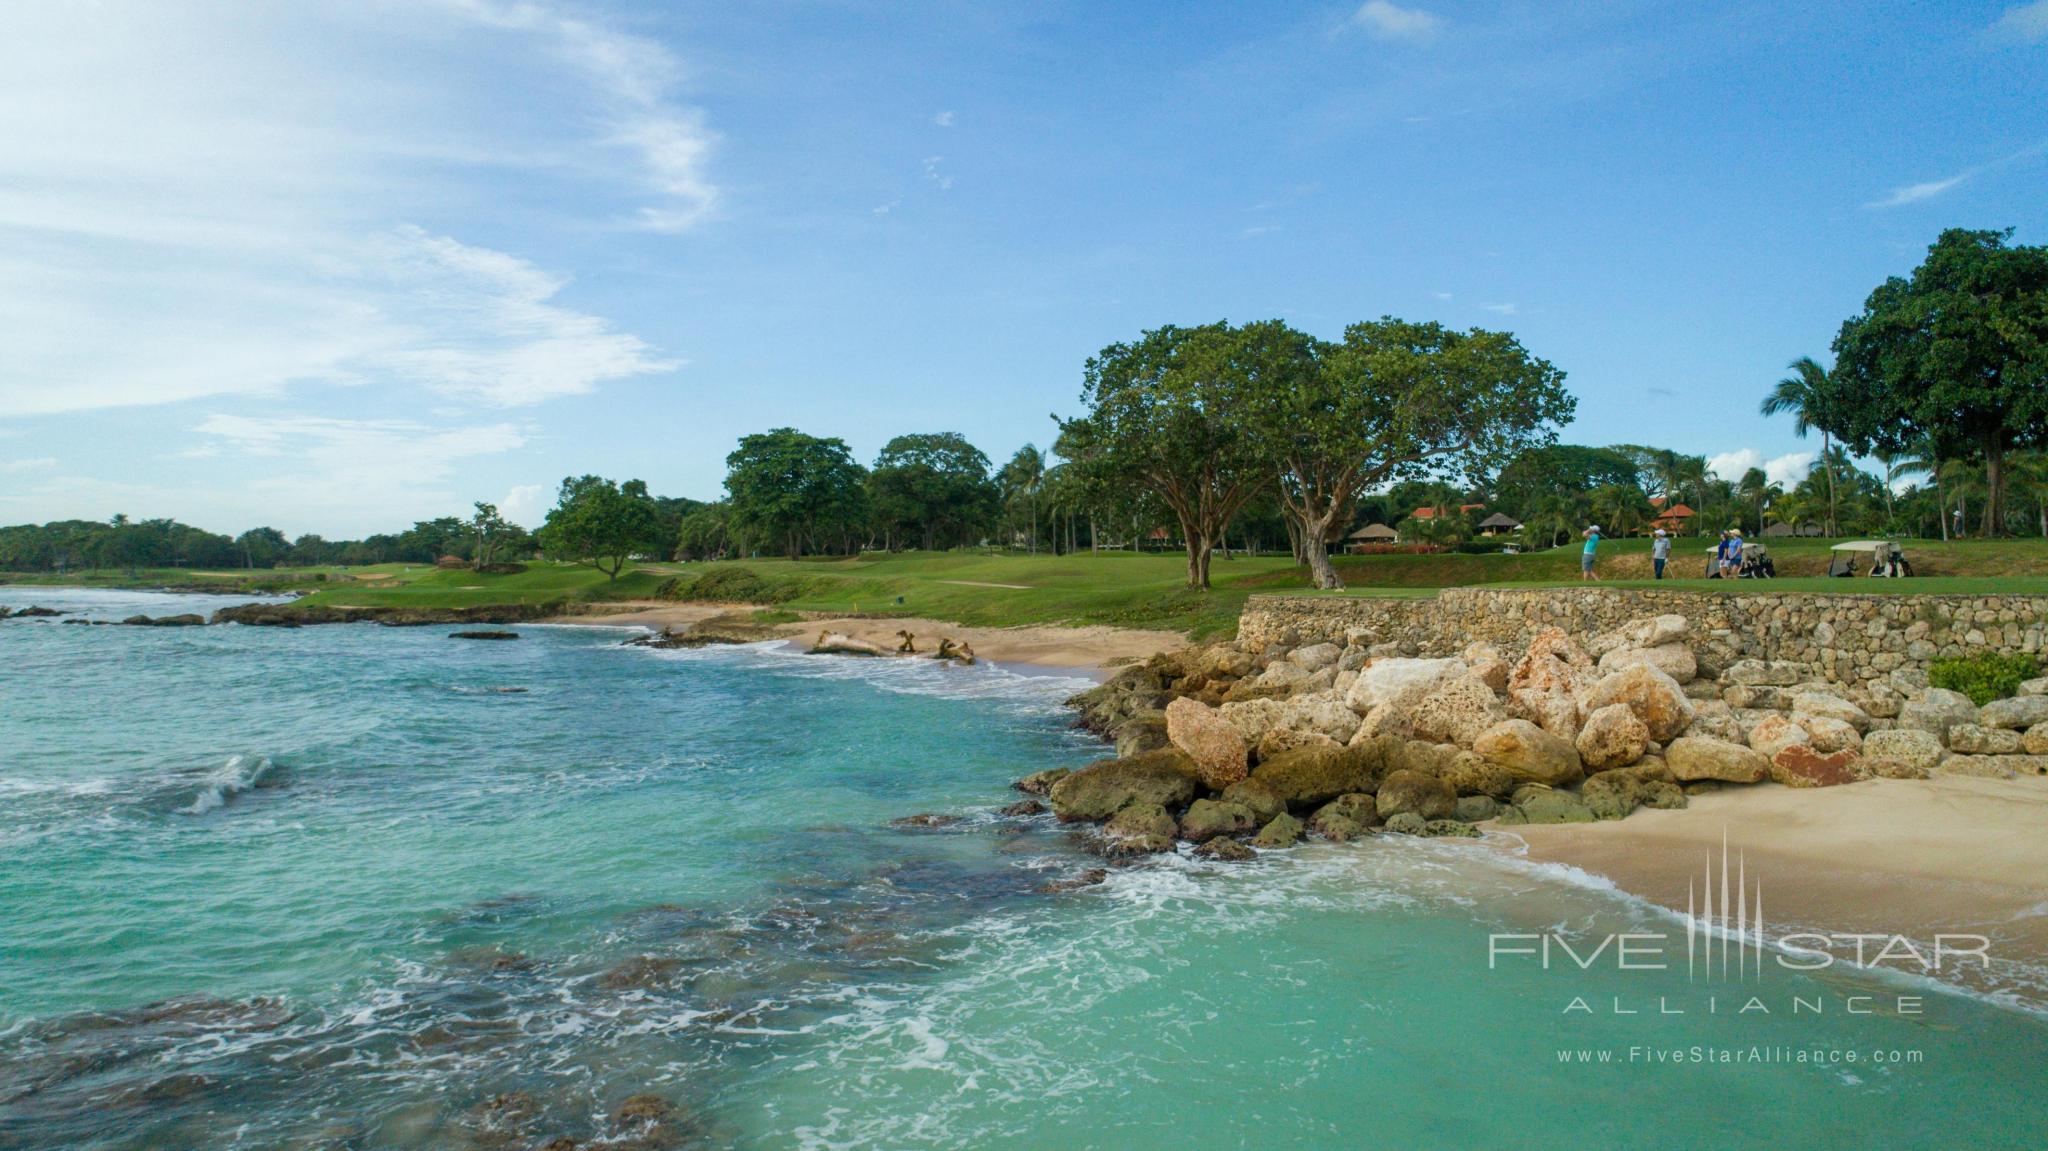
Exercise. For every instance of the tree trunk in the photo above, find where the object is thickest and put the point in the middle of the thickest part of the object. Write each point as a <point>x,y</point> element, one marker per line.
<point>1940,502</point>
<point>1994,489</point>
<point>1828,465</point>
<point>1293,537</point>
<point>1316,531</point>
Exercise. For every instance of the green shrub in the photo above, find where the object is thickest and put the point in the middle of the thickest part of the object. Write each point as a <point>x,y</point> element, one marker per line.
<point>729,585</point>
<point>1984,677</point>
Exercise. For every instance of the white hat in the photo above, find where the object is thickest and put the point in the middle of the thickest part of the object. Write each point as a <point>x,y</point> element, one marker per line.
<point>1660,531</point>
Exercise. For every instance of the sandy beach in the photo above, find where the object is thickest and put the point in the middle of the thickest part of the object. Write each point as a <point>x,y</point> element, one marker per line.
<point>1086,648</point>
<point>1912,857</point>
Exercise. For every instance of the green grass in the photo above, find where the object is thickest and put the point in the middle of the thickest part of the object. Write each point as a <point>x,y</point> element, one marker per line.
<point>1115,588</point>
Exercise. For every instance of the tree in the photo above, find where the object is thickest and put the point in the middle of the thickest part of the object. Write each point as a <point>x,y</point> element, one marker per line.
<point>936,484</point>
<point>1170,415</point>
<point>705,533</point>
<point>261,547</point>
<point>1020,482</point>
<point>1621,509</point>
<point>1564,471</point>
<point>795,491</point>
<point>1957,352</point>
<point>1394,399</point>
<point>1805,395</point>
<point>490,530</point>
<point>1756,489</point>
<point>596,522</point>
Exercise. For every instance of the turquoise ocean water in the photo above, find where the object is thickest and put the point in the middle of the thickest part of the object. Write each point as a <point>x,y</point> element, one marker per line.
<point>339,887</point>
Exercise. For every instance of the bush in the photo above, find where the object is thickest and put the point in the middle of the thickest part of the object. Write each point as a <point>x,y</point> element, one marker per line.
<point>1984,677</point>
<point>729,585</point>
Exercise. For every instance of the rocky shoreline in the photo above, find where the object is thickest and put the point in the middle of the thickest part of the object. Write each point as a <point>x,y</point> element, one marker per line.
<point>1235,747</point>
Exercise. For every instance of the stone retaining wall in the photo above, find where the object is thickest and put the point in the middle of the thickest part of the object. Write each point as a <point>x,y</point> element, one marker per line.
<point>1848,639</point>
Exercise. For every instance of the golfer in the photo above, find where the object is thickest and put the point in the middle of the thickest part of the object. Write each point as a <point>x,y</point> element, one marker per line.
<point>1592,537</point>
<point>1660,550</point>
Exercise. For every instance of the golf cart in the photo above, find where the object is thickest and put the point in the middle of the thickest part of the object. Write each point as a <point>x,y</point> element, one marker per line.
<point>1886,559</point>
<point>1756,562</point>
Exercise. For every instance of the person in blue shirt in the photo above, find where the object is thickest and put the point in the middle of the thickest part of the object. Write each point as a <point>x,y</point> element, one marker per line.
<point>1592,537</point>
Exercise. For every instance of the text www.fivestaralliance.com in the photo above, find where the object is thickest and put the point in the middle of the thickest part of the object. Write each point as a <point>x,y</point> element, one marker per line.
<point>1750,1056</point>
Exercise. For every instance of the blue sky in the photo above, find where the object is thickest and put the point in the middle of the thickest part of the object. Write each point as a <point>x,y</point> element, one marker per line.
<point>338,267</point>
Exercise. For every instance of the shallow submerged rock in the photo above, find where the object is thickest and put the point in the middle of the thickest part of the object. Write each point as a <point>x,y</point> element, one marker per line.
<point>1264,802</point>
<point>1226,851</point>
<point>483,635</point>
<point>1041,782</point>
<point>1537,804</point>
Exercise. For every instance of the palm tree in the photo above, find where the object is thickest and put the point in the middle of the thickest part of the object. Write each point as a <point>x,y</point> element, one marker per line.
<point>1802,395</point>
<point>2028,472</point>
<point>1755,488</point>
<point>1955,481</point>
<point>1622,509</point>
<point>1021,480</point>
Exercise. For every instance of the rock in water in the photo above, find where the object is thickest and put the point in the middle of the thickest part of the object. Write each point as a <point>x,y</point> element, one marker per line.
<point>1096,792</point>
<point>483,635</point>
<point>1408,823</point>
<point>1612,736</point>
<point>1040,782</point>
<point>1312,776</point>
<point>1530,753</point>
<point>1263,802</point>
<point>1655,697</point>
<point>1211,741</point>
<point>1282,830</point>
<point>1226,851</point>
<point>1346,817</point>
<point>1139,829</point>
<point>1416,793</point>
<point>1209,818</point>
<point>1697,757</point>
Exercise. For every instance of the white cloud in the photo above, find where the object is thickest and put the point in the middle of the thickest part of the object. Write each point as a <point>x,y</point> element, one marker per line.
<point>933,173</point>
<point>2025,21</point>
<point>1502,309</point>
<point>632,77</point>
<point>1914,193</point>
<point>1388,21</point>
<point>194,203</point>
<point>1442,295</point>
<point>526,505</point>
<point>943,119</point>
<point>16,467</point>
<point>1787,469</point>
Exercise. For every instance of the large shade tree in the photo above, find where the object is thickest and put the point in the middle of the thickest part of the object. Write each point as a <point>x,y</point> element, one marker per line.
<point>794,491</point>
<point>1392,400</point>
<point>933,487</point>
<point>600,523</point>
<point>1170,415</point>
<point>1956,353</point>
